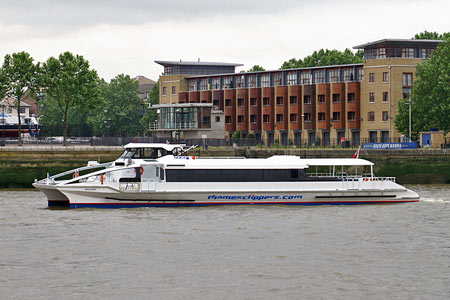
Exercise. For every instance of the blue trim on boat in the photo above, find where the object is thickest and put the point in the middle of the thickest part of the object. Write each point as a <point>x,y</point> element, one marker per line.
<point>132,205</point>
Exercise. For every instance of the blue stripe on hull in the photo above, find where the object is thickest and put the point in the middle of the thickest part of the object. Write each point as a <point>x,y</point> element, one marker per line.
<point>132,205</point>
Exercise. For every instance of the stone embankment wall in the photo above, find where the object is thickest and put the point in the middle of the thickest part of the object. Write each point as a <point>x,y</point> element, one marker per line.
<point>19,166</point>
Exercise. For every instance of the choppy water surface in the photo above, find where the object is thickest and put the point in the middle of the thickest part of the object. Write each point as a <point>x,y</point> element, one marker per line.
<point>236,252</point>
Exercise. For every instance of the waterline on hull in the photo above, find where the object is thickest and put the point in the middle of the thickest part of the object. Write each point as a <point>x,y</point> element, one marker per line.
<point>162,204</point>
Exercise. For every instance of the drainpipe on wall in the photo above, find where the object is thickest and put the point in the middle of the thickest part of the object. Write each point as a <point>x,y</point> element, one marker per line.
<point>390,96</point>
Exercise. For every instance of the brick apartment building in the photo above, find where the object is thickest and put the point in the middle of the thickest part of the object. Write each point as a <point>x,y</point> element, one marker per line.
<point>319,105</point>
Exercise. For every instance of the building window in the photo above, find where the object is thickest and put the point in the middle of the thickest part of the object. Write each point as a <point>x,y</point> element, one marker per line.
<point>408,52</point>
<point>217,119</point>
<point>277,79</point>
<point>307,99</point>
<point>216,103</point>
<point>385,76</point>
<point>307,117</point>
<point>351,97</point>
<point>371,116</point>
<point>360,74</point>
<point>253,101</point>
<point>266,118</point>
<point>216,83</point>
<point>293,100</point>
<point>164,91</point>
<point>385,97</point>
<point>305,77</point>
<point>279,118</point>
<point>385,116</point>
<point>351,116</point>
<point>228,102</point>
<point>240,81</point>
<point>203,84</point>
<point>371,77</point>
<point>321,116</point>
<point>292,78</point>
<point>265,80</point>
<point>251,80</point>
<point>253,119</point>
<point>228,119</point>
<point>336,116</point>
<point>241,102</point>
<point>174,90</point>
<point>407,84</point>
<point>192,85</point>
<point>321,99</point>
<point>426,52</point>
<point>240,119</point>
<point>168,70</point>
<point>279,100</point>
<point>293,118</point>
<point>266,101</point>
<point>348,75</point>
<point>381,53</point>
<point>371,97</point>
<point>336,98</point>
<point>407,79</point>
<point>319,76</point>
<point>227,82</point>
<point>333,75</point>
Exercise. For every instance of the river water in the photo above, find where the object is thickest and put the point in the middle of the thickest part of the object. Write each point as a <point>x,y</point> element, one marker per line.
<point>399,251</point>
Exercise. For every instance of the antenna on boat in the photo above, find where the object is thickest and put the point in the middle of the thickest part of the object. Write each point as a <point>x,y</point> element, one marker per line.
<point>190,148</point>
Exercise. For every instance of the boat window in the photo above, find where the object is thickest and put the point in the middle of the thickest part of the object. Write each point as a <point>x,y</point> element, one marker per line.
<point>143,153</point>
<point>236,175</point>
<point>161,173</point>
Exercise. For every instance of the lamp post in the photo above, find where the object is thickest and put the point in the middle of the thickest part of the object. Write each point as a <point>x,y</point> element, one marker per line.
<point>409,119</point>
<point>3,123</point>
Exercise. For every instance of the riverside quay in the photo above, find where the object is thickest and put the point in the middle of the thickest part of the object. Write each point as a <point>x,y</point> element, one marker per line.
<point>355,102</point>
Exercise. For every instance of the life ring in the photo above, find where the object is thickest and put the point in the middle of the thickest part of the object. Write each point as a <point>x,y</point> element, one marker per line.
<point>141,170</point>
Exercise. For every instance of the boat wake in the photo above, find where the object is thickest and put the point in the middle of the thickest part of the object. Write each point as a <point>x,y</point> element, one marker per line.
<point>433,200</point>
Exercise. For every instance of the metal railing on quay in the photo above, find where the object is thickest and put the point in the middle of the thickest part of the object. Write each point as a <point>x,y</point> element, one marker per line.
<point>205,143</point>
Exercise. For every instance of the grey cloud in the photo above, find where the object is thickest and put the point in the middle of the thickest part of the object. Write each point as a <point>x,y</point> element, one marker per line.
<point>82,13</point>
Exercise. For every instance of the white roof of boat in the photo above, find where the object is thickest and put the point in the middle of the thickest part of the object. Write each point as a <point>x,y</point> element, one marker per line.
<point>279,162</point>
<point>168,147</point>
<point>337,162</point>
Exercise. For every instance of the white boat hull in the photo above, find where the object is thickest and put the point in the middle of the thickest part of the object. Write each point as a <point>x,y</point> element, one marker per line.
<point>82,195</point>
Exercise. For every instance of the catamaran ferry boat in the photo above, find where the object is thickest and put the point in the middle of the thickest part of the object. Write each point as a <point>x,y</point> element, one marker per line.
<point>164,175</point>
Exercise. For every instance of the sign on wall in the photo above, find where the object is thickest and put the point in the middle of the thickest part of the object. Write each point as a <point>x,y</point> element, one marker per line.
<point>380,146</point>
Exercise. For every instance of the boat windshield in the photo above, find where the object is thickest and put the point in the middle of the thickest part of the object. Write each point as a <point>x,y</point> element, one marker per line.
<point>143,153</point>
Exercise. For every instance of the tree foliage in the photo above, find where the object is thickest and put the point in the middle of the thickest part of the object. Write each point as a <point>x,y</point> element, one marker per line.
<point>430,94</point>
<point>431,35</point>
<point>325,58</point>
<point>256,68</point>
<point>70,83</point>
<point>121,111</point>
<point>150,114</point>
<point>19,75</point>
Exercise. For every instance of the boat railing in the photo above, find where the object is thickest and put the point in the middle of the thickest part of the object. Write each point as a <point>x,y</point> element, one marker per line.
<point>51,179</point>
<point>347,177</point>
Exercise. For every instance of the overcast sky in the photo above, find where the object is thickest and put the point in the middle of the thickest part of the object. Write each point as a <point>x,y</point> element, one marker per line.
<point>127,36</point>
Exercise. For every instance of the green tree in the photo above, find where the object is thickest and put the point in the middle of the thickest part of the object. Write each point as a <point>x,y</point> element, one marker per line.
<point>430,94</point>
<point>20,75</point>
<point>150,114</point>
<point>3,84</point>
<point>70,83</point>
<point>256,68</point>
<point>431,35</point>
<point>325,58</point>
<point>120,113</point>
